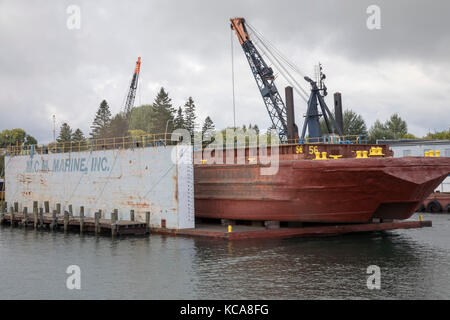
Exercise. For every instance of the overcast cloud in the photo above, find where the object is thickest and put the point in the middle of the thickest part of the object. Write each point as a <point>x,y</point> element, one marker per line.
<point>47,69</point>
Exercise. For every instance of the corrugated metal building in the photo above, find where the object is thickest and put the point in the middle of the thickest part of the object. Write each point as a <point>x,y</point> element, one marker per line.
<point>417,148</point>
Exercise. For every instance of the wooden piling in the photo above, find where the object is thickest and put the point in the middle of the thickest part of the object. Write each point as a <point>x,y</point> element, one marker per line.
<point>97,222</point>
<point>114,218</point>
<point>66,220</point>
<point>35,217</point>
<point>41,218</point>
<point>132,215</point>
<point>35,214</point>
<point>2,216</point>
<point>16,207</point>
<point>25,216</point>
<point>81,219</point>
<point>11,215</point>
<point>70,210</point>
<point>147,221</point>
<point>4,207</point>
<point>47,206</point>
<point>58,208</point>
<point>54,223</point>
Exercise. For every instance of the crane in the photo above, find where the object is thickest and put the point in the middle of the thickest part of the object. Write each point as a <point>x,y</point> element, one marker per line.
<point>132,92</point>
<point>265,80</point>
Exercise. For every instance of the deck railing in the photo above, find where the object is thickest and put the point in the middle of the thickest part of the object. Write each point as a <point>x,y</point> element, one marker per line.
<point>145,141</point>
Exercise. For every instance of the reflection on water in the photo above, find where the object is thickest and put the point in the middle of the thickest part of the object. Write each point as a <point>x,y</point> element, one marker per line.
<point>414,264</point>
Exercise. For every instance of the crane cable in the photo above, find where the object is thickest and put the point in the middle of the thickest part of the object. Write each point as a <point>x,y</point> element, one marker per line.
<point>281,68</point>
<point>276,55</point>
<point>232,80</point>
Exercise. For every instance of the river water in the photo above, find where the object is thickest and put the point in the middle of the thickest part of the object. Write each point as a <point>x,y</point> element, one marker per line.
<point>414,264</point>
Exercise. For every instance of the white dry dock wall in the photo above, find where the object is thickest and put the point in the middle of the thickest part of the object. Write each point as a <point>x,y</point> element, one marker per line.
<point>157,179</point>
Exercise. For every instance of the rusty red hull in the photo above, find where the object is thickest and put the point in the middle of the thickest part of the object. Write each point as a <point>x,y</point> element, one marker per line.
<point>326,191</point>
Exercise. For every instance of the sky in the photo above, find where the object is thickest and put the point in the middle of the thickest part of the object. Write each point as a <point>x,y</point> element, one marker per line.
<point>48,68</point>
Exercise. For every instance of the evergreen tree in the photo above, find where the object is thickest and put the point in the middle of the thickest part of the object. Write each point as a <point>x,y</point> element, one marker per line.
<point>65,133</point>
<point>256,128</point>
<point>163,114</point>
<point>189,115</point>
<point>78,136</point>
<point>118,126</point>
<point>354,123</point>
<point>179,120</point>
<point>101,123</point>
<point>208,129</point>
<point>397,126</point>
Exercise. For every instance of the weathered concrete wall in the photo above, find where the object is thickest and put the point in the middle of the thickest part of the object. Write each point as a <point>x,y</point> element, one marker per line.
<point>159,180</point>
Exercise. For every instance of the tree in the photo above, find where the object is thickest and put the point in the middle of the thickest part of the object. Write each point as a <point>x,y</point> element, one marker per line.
<point>118,126</point>
<point>397,126</point>
<point>29,140</point>
<point>189,115</point>
<point>443,135</point>
<point>65,133</point>
<point>179,120</point>
<point>354,123</point>
<point>101,122</point>
<point>208,129</point>
<point>163,114</point>
<point>379,131</point>
<point>15,137</point>
<point>141,118</point>
<point>78,136</point>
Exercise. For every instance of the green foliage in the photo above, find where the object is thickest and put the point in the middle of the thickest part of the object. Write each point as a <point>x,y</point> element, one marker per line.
<point>208,129</point>
<point>137,133</point>
<point>394,128</point>
<point>442,135</point>
<point>15,137</point>
<point>163,114</point>
<point>189,115</point>
<point>397,126</point>
<point>118,126</point>
<point>100,126</point>
<point>409,136</point>
<point>141,118</point>
<point>179,120</point>
<point>65,133</point>
<point>354,123</point>
<point>78,136</point>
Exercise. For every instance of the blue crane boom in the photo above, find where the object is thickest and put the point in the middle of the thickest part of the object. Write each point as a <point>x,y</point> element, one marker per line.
<point>265,79</point>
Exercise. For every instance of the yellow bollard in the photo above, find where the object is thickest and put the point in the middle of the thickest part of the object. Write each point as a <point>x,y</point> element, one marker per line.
<point>426,153</point>
<point>324,156</point>
<point>203,161</point>
<point>431,153</point>
<point>421,218</point>
<point>358,155</point>
<point>438,153</point>
<point>229,228</point>
<point>365,154</point>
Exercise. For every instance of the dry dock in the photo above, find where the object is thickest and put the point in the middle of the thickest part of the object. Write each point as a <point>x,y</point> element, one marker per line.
<point>241,232</point>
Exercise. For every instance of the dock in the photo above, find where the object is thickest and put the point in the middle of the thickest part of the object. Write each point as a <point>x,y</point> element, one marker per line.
<point>66,222</point>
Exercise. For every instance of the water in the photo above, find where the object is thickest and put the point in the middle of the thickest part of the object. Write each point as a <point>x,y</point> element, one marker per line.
<point>415,264</point>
